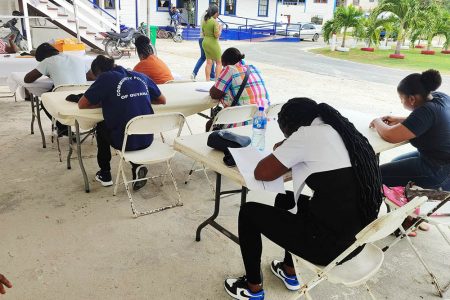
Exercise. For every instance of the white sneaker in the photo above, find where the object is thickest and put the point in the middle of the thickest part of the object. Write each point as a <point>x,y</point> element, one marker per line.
<point>291,282</point>
<point>193,77</point>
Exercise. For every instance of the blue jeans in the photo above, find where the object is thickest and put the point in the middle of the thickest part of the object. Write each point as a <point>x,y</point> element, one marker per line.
<point>413,167</point>
<point>201,60</point>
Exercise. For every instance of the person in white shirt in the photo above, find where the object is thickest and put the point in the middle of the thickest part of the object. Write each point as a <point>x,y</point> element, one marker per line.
<point>326,152</point>
<point>61,68</point>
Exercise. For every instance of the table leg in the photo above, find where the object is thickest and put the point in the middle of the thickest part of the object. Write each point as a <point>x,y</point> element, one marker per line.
<point>80,158</point>
<point>244,195</point>
<point>211,220</point>
<point>38,117</point>
<point>69,154</point>
<point>33,113</point>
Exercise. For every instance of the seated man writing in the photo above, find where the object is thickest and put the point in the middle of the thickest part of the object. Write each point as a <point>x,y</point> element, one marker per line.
<point>122,95</point>
<point>9,47</point>
<point>150,64</point>
<point>61,68</point>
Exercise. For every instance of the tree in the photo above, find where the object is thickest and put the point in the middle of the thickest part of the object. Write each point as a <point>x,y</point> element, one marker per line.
<point>406,11</point>
<point>444,28</point>
<point>429,23</point>
<point>370,29</point>
<point>344,18</point>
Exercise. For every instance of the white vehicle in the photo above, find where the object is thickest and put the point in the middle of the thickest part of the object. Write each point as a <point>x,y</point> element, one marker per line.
<point>306,31</point>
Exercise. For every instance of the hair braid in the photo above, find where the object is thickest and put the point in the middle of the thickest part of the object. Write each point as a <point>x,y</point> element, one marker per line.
<point>302,111</point>
<point>143,47</point>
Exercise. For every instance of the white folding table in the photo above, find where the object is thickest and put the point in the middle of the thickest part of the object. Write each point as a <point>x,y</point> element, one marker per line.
<point>195,147</point>
<point>180,97</point>
<point>16,84</point>
<point>15,63</point>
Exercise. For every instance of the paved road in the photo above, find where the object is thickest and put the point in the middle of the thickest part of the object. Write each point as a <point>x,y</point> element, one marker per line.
<point>292,55</point>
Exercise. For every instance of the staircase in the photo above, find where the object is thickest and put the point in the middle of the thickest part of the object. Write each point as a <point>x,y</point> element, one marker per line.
<point>62,14</point>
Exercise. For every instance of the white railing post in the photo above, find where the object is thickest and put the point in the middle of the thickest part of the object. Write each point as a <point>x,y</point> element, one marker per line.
<point>77,25</point>
<point>27,24</point>
<point>116,6</point>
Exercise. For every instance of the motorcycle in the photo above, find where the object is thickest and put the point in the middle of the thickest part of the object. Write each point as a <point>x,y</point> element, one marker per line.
<point>178,37</point>
<point>19,40</point>
<point>116,44</point>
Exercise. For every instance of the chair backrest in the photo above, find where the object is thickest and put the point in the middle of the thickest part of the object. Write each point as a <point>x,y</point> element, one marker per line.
<point>387,224</point>
<point>273,110</point>
<point>71,87</point>
<point>156,123</point>
<point>235,114</point>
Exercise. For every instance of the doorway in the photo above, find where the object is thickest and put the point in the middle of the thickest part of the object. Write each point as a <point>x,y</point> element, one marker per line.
<point>188,10</point>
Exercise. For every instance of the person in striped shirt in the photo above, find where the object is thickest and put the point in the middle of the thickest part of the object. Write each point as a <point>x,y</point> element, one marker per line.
<point>230,80</point>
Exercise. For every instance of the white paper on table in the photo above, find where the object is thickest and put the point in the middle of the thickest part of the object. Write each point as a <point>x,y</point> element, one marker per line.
<point>246,160</point>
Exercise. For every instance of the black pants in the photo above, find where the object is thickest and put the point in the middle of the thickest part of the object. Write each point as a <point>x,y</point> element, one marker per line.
<point>285,229</point>
<point>103,136</point>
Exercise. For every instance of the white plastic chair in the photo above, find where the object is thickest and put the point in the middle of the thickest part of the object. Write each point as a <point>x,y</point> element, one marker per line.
<point>227,116</point>
<point>358,270</point>
<point>234,115</point>
<point>273,110</point>
<point>438,221</point>
<point>61,88</point>
<point>157,152</point>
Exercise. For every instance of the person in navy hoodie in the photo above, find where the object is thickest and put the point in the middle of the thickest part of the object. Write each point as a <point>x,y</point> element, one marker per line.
<point>122,95</point>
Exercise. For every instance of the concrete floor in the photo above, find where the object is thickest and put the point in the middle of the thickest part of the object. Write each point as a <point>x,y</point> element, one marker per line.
<point>58,242</point>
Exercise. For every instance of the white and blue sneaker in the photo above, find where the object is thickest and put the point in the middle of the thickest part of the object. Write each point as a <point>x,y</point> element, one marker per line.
<point>238,289</point>
<point>291,282</point>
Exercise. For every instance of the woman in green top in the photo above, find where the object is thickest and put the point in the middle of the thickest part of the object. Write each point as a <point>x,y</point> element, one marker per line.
<point>211,34</point>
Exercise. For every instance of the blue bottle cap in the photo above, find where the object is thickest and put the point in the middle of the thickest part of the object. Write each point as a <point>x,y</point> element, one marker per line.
<point>261,108</point>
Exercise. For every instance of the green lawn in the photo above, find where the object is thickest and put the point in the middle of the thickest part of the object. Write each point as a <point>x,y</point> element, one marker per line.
<point>413,59</point>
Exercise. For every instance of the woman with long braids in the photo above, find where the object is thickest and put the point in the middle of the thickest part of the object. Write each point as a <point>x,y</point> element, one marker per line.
<point>325,151</point>
<point>211,33</point>
<point>150,64</point>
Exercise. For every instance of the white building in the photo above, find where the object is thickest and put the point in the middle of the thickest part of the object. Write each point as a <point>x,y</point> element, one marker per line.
<point>316,11</point>
<point>97,16</point>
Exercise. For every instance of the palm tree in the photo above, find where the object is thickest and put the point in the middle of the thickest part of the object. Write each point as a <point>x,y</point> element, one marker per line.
<point>444,28</point>
<point>328,29</point>
<point>439,23</point>
<point>406,11</point>
<point>370,29</point>
<point>347,17</point>
<point>390,26</point>
<point>344,18</point>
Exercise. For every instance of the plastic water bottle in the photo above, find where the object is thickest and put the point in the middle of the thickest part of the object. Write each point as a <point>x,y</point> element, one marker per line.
<point>259,129</point>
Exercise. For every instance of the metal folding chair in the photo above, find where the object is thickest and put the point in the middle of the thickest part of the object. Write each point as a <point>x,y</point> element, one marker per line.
<point>157,152</point>
<point>427,212</point>
<point>68,87</point>
<point>358,270</point>
<point>227,116</point>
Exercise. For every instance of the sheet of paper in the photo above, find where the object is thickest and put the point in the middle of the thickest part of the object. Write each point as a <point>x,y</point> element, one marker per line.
<point>202,90</point>
<point>246,160</point>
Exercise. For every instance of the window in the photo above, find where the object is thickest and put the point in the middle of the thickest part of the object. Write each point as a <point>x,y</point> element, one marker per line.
<point>292,2</point>
<point>230,7</point>
<point>320,1</point>
<point>263,8</point>
<point>162,5</point>
<point>318,20</point>
<point>355,2</point>
<point>216,2</point>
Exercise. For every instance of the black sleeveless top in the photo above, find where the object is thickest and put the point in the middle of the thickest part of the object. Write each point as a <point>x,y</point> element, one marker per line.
<point>333,213</point>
